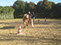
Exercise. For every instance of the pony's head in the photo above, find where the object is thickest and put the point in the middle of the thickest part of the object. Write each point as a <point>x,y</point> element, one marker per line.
<point>26,16</point>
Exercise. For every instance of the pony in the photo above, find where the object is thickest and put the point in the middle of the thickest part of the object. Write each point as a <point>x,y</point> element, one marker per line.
<point>25,20</point>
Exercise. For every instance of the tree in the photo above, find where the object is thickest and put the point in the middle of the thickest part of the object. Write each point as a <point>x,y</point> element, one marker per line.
<point>19,7</point>
<point>30,7</point>
<point>45,1</point>
<point>44,8</point>
<point>19,0</point>
<point>6,12</point>
<point>57,10</point>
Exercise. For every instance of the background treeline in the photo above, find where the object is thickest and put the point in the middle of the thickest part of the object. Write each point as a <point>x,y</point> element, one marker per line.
<point>6,12</point>
<point>42,9</point>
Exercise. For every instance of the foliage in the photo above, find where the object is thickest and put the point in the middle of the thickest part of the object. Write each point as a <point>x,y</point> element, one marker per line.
<point>19,0</point>
<point>19,7</point>
<point>45,1</point>
<point>30,7</point>
<point>43,9</point>
<point>6,12</point>
<point>57,10</point>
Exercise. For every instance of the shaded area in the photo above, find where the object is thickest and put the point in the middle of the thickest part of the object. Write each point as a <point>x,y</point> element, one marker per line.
<point>11,22</point>
<point>8,27</point>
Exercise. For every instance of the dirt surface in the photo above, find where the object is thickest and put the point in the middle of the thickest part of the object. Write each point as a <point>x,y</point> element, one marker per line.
<point>43,33</point>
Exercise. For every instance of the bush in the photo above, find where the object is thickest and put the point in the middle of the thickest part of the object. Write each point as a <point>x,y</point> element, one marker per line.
<point>6,12</point>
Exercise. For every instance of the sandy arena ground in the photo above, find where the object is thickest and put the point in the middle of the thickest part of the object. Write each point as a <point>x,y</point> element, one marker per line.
<point>44,33</point>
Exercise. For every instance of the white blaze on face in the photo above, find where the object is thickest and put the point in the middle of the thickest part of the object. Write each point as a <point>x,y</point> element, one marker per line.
<point>27,16</point>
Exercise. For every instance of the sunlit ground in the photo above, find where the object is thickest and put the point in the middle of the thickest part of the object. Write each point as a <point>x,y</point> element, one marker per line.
<point>44,33</point>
